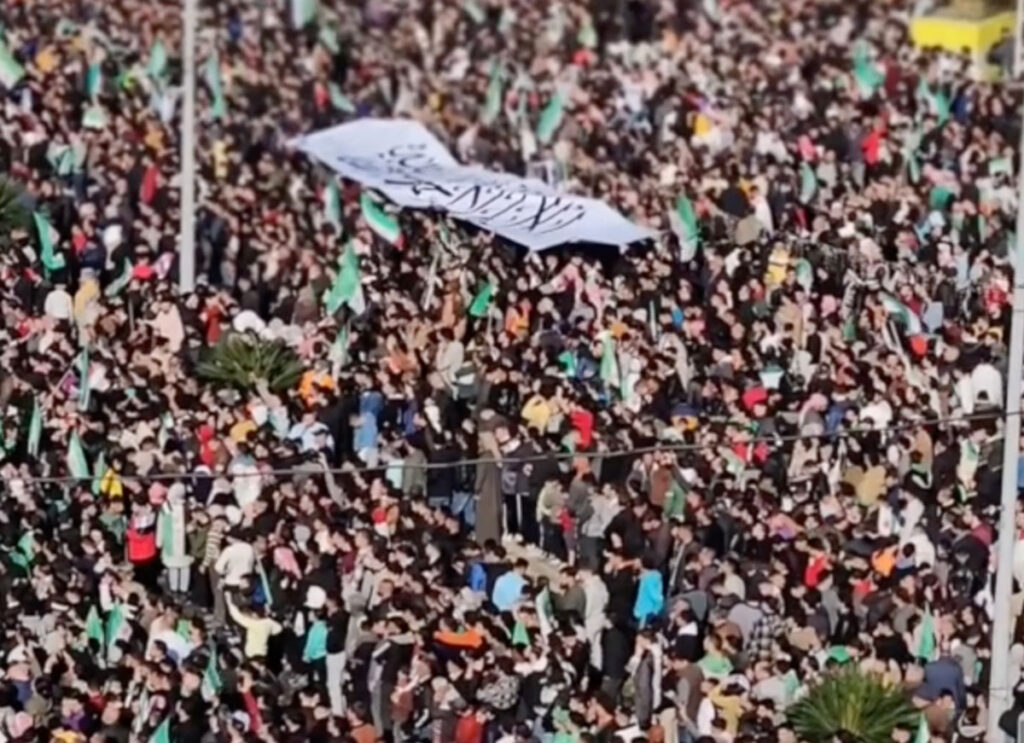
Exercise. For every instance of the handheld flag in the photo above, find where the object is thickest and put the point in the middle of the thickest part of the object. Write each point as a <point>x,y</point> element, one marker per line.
<point>163,732</point>
<point>482,300</point>
<point>338,356</point>
<point>924,733</point>
<point>339,100</point>
<point>157,61</point>
<point>51,261</point>
<point>303,12</point>
<point>10,71</point>
<point>114,621</point>
<point>328,37</point>
<point>808,183</point>
<point>78,465</point>
<point>216,88</point>
<point>35,428</point>
<point>83,380</point>
<point>383,224</point>
<point>902,314</point>
<point>93,81</point>
<point>865,73</point>
<point>609,363</point>
<point>551,118</point>
<point>332,203</point>
<point>119,284</point>
<point>94,117</point>
<point>94,626</point>
<point>926,643</point>
<point>212,682</point>
<point>348,284</point>
<point>99,472</point>
<point>683,220</point>
<point>492,104</point>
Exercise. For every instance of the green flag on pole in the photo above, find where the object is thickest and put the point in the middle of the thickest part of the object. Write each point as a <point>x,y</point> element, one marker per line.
<point>35,428</point>
<point>78,465</point>
<point>84,392</point>
<point>94,626</point>
<point>332,203</point>
<point>482,300</point>
<point>551,118</point>
<point>213,82</point>
<point>339,100</point>
<point>348,284</point>
<point>383,224</point>
<point>119,284</point>
<point>924,733</point>
<point>163,732</point>
<point>157,61</point>
<point>902,314</point>
<point>93,81</point>
<point>926,643</point>
<point>211,675</point>
<point>609,362</point>
<point>51,261</point>
<point>683,220</point>
<point>808,183</point>
<point>865,73</point>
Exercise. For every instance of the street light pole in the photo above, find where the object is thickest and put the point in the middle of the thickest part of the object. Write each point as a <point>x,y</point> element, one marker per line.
<point>999,694</point>
<point>187,237</point>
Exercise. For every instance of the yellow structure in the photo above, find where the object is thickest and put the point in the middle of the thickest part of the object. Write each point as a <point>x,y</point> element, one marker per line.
<point>944,29</point>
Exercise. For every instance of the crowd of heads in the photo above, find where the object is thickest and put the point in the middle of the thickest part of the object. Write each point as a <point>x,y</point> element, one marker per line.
<point>655,492</point>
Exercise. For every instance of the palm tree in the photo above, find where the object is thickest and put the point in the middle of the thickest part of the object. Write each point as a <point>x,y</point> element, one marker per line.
<point>852,705</point>
<point>242,361</point>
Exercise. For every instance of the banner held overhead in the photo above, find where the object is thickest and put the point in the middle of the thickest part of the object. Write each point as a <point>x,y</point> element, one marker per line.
<point>405,162</point>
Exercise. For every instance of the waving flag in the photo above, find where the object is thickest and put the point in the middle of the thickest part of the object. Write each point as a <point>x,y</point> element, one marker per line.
<point>339,100</point>
<point>902,314</point>
<point>157,61</point>
<point>93,81</point>
<point>551,118</point>
<point>332,203</point>
<point>51,261</point>
<point>382,223</point>
<point>84,393</point>
<point>212,681</point>
<point>94,625</point>
<point>213,82</point>
<point>78,465</point>
<point>865,73</point>
<point>348,284</point>
<point>684,224</point>
<point>10,71</point>
<point>808,183</point>
<point>303,12</point>
<point>609,362</point>
<point>492,105</point>
<point>482,301</point>
<point>35,428</point>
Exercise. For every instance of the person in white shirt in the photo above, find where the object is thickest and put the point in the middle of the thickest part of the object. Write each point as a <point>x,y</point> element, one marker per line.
<point>233,565</point>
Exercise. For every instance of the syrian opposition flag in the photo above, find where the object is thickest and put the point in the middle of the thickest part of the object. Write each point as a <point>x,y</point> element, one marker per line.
<point>383,224</point>
<point>683,220</point>
<point>332,204</point>
<point>551,118</point>
<point>78,465</point>
<point>51,261</point>
<point>348,285</point>
<point>902,314</point>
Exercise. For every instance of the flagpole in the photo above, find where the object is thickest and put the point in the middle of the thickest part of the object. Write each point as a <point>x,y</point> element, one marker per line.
<point>187,254</point>
<point>999,694</point>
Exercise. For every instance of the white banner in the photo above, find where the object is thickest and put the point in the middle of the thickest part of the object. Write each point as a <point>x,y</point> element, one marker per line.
<point>406,163</point>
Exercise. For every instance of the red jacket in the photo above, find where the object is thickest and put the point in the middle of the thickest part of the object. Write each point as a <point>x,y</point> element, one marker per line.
<point>141,545</point>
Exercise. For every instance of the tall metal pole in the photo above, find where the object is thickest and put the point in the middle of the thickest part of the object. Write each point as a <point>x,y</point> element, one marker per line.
<point>999,694</point>
<point>187,238</point>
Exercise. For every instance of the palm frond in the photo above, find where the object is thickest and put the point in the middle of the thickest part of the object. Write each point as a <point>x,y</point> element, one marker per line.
<point>861,705</point>
<point>241,361</point>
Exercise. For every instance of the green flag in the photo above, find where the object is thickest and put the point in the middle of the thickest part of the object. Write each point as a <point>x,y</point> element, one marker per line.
<point>213,82</point>
<point>492,104</point>
<point>568,361</point>
<point>348,284</point>
<point>163,732</point>
<point>923,734</point>
<point>926,644</point>
<point>94,626</point>
<point>482,300</point>
<point>99,469</point>
<point>332,203</point>
<point>51,261</point>
<point>114,621</point>
<point>157,61</point>
<point>865,73</point>
<point>35,428</point>
<point>328,38</point>
<point>303,12</point>
<point>10,71</point>
<point>383,224</point>
<point>938,102</point>
<point>683,220</point>
<point>902,314</point>
<point>339,100</point>
<point>119,284</point>
<point>93,81</point>
<point>808,183</point>
<point>520,636</point>
<point>95,117</point>
<point>551,118</point>
<point>211,676</point>
<point>339,353</point>
<point>474,11</point>
<point>78,465</point>
<point>609,362</point>
<point>84,392</point>
<point>587,36</point>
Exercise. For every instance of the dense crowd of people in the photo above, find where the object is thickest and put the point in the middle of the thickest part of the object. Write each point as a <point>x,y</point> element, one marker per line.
<point>648,493</point>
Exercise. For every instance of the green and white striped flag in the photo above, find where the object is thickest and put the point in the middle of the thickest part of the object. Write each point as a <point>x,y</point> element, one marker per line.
<point>212,682</point>
<point>213,82</point>
<point>51,261</point>
<point>303,12</point>
<point>348,284</point>
<point>609,362</point>
<point>482,301</point>
<point>84,391</point>
<point>35,428</point>
<point>332,203</point>
<point>119,284</point>
<point>93,81</point>
<point>551,118</point>
<point>383,224</point>
<point>808,183</point>
<point>492,104</point>
<point>865,73</point>
<point>94,626</point>
<point>78,465</point>
<point>339,100</point>
<point>902,314</point>
<point>10,71</point>
<point>683,220</point>
<point>157,64</point>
